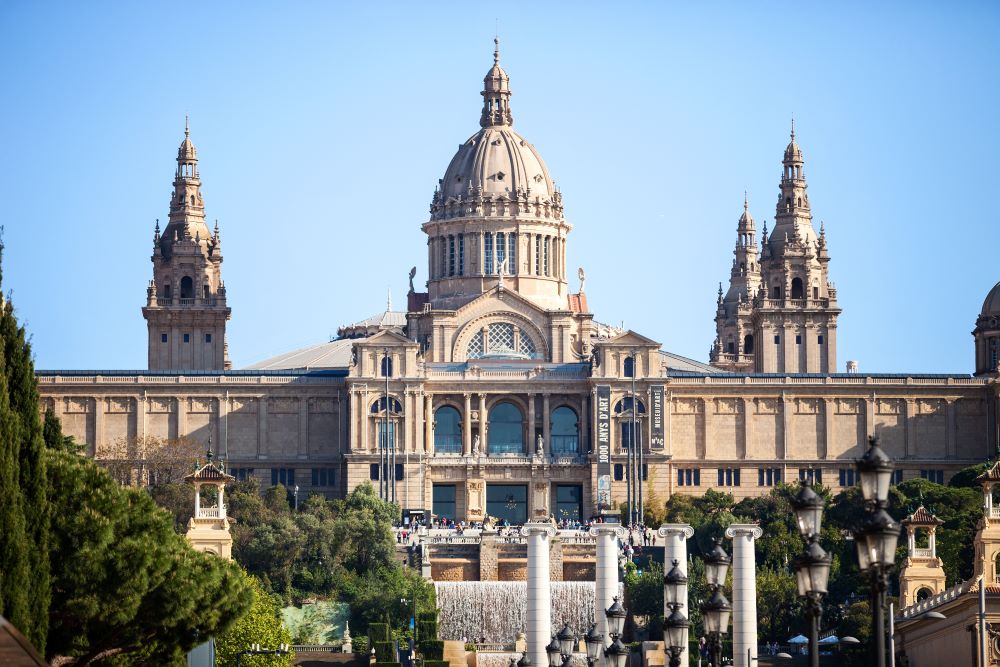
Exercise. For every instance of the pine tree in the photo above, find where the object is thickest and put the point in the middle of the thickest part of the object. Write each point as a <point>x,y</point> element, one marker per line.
<point>24,509</point>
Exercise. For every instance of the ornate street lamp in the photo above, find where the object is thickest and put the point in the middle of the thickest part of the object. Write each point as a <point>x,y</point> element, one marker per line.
<point>595,642</point>
<point>552,651</point>
<point>525,661</point>
<point>812,569</point>
<point>876,540</point>
<point>616,654</point>
<point>675,626</point>
<point>675,635</point>
<point>715,614</point>
<point>717,564</point>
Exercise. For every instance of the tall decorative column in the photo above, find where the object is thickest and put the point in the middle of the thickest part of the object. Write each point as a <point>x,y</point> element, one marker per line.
<point>744,592</point>
<point>547,424</point>
<point>675,547</point>
<point>539,621</point>
<point>606,575</point>
<point>467,425</point>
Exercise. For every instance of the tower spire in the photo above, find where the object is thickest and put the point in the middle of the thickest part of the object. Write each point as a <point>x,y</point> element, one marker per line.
<point>496,93</point>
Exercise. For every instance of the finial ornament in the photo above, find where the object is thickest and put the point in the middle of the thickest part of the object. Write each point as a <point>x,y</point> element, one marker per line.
<point>746,202</point>
<point>187,127</point>
<point>793,127</point>
<point>388,299</point>
<point>496,50</point>
<point>413,273</point>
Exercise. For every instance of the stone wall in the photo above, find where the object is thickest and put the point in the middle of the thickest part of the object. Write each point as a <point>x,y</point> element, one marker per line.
<point>454,569</point>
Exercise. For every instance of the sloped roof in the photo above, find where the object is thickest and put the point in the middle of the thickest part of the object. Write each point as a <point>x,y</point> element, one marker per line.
<point>991,475</point>
<point>332,354</point>
<point>675,362</point>
<point>922,517</point>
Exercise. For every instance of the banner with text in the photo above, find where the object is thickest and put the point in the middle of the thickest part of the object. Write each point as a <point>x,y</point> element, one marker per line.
<point>656,439</point>
<point>603,411</point>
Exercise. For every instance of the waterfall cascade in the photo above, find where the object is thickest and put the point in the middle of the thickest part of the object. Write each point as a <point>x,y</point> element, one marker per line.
<point>495,611</point>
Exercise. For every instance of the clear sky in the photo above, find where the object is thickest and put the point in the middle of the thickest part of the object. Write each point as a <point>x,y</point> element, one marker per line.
<point>323,127</point>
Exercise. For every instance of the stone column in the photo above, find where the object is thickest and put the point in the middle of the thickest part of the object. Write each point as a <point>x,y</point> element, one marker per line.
<point>744,593</point>
<point>483,420</point>
<point>539,620</point>
<point>675,537</point>
<point>531,424</point>
<point>428,423</point>
<point>467,426</point>
<point>546,425</point>
<point>606,572</point>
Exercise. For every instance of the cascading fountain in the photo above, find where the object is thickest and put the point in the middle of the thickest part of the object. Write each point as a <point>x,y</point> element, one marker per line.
<point>497,610</point>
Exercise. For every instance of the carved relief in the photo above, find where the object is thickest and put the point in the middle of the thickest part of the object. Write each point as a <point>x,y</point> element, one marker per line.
<point>321,405</point>
<point>889,406</point>
<point>283,405</point>
<point>687,406</point>
<point>201,405</point>
<point>728,406</point>
<point>930,406</point>
<point>767,406</point>
<point>46,404</point>
<point>848,406</point>
<point>118,404</point>
<point>77,405</point>
<point>476,491</point>
<point>246,404</point>
<point>155,405</point>
<point>807,406</point>
<point>541,504</point>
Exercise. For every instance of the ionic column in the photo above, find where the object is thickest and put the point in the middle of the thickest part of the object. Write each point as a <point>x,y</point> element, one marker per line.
<point>546,424</point>
<point>483,419</point>
<point>531,423</point>
<point>675,537</point>
<point>428,423</point>
<point>467,426</point>
<point>744,593</point>
<point>606,575</point>
<point>539,620</point>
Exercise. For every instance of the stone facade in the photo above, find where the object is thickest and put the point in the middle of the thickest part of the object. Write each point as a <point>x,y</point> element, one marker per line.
<point>498,393</point>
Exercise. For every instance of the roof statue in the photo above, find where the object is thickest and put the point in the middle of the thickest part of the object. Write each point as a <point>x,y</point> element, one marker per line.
<point>583,277</point>
<point>413,273</point>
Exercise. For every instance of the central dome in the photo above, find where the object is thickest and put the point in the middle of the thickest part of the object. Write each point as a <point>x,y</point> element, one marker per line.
<point>497,161</point>
<point>496,171</point>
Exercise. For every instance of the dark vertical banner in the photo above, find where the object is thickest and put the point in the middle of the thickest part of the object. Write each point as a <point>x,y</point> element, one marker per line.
<point>602,410</point>
<point>656,439</point>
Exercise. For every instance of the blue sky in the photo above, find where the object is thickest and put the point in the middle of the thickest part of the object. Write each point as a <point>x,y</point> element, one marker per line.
<point>323,127</point>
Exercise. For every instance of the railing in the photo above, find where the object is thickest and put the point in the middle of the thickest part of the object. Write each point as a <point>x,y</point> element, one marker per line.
<point>565,444</point>
<point>923,553</point>
<point>186,301</point>
<point>318,648</point>
<point>491,647</point>
<point>447,444</point>
<point>210,513</point>
<point>512,447</point>
<point>995,512</point>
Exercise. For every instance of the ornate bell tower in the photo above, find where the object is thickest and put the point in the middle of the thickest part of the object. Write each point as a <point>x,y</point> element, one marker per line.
<point>734,342</point>
<point>185,309</point>
<point>795,319</point>
<point>922,574</point>
<point>208,529</point>
<point>986,562</point>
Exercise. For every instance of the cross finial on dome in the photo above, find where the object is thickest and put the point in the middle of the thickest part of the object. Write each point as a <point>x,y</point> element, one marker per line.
<point>187,127</point>
<point>793,128</point>
<point>496,50</point>
<point>746,202</point>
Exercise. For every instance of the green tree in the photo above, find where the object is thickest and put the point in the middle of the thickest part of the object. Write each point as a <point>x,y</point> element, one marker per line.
<point>124,583</point>
<point>363,530</point>
<point>24,506</point>
<point>260,625</point>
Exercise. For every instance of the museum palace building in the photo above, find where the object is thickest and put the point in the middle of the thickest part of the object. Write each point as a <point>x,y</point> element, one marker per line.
<point>498,393</point>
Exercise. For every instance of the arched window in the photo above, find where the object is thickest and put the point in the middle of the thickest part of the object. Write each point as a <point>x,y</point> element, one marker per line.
<point>192,200</point>
<point>625,405</point>
<point>776,292</point>
<point>379,406</point>
<point>730,346</point>
<point>797,288</point>
<point>166,290</point>
<point>187,288</point>
<point>629,368</point>
<point>386,366</point>
<point>506,430</point>
<point>748,344</point>
<point>923,594</point>
<point>501,339</point>
<point>205,290</point>
<point>447,431</point>
<point>994,351</point>
<point>565,431</point>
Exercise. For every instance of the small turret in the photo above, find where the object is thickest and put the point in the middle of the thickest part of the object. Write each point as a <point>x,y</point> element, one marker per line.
<point>922,574</point>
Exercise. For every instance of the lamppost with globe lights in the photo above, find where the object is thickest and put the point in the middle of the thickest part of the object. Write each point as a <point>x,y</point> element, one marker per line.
<point>675,626</point>
<point>716,610</point>
<point>595,642</point>
<point>876,540</point>
<point>615,654</point>
<point>812,568</point>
